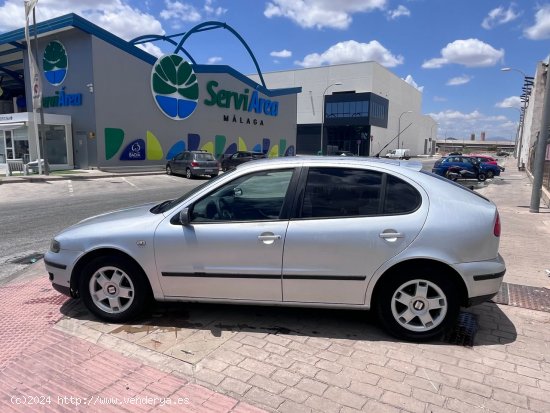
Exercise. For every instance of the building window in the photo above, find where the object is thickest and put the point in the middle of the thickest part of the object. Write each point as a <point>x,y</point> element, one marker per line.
<point>56,144</point>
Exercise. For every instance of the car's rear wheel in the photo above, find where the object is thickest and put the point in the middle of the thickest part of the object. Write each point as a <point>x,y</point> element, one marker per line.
<point>417,307</point>
<point>188,173</point>
<point>114,288</point>
<point>168,170</point>
<point>481,177</point>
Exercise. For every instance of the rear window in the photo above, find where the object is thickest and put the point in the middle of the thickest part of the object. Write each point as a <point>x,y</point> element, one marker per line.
<point>204,157</point>
<point>453,183</point>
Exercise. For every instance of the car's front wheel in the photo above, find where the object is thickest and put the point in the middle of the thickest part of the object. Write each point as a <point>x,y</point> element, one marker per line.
<point>490,174</point>
<point>114,288</point>
<point>168,170</point>
<point>417,307</point>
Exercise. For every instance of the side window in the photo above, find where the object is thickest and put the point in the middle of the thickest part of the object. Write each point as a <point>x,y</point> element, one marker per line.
<point>253,197</point>
<point>401,198</point>
<point>341,192</point>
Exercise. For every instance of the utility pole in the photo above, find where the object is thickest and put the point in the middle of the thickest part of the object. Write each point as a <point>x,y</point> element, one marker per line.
<point>540,154</point>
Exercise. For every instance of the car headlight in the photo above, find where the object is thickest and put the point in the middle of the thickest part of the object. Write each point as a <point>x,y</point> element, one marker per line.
<point>55,246</point>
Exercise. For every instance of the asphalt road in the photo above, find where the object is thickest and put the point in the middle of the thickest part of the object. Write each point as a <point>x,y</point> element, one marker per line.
<point>32,213</point>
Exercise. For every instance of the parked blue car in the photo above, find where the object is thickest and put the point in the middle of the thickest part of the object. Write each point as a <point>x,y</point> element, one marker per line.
<point>442,165</point>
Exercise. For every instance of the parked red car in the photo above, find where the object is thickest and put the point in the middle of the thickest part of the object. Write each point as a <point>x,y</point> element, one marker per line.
<point>487,159</point>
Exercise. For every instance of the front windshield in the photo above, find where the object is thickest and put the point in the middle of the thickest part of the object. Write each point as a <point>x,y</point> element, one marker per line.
<point>167,205</point>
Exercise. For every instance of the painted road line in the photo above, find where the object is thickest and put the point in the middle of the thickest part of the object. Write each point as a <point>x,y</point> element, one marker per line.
<point>70,185</point>
<point>129,183</point>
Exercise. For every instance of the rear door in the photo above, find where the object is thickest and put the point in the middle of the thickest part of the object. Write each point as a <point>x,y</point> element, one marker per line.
<point>348,223</point>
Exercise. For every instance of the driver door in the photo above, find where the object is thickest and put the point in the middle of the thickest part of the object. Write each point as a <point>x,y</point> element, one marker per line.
<point>233,247</point>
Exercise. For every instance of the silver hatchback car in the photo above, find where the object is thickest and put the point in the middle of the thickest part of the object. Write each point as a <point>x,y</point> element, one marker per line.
<point>352,233</point>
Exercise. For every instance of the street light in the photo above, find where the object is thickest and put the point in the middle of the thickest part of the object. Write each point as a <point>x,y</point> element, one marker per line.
<point>399,127</point>
<point>323,112</point>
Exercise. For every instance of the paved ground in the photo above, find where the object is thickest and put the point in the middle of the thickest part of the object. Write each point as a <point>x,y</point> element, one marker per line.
<point>287,360</point>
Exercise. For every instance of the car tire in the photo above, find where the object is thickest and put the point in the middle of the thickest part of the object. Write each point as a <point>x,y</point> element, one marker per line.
<point>188,173</point>
<point>114,288</point>
<point>419,306</point>
<point>490,174</point>
<point>168,170</point>
<point>481,177</point>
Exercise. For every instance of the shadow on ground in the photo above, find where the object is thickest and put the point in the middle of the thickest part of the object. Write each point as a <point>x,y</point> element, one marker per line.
<point>491,324</point>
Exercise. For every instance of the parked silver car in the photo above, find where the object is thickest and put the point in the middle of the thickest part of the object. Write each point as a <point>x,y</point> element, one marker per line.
<point>319,232</point>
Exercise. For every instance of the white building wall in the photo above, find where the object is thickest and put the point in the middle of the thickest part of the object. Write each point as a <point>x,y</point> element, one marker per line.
<point>361,77</point>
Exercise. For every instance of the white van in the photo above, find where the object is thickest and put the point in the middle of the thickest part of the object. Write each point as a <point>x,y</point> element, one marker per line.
<point>399,154</point>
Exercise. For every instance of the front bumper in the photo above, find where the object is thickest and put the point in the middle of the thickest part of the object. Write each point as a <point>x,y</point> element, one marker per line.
<point>60,266</point>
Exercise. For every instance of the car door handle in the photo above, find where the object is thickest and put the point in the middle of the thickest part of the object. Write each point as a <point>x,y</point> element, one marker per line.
<point>389,235</point>
<point>268,238</point>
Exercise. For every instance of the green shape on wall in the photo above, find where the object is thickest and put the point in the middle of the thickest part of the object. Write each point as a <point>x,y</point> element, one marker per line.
<point>153,148</point>
<point>219,145</point>
<point>282,147</point>
<point>113,141</point>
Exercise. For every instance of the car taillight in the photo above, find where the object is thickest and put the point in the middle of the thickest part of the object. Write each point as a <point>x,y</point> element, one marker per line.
<point>496,229</point>
<point>194,164</point>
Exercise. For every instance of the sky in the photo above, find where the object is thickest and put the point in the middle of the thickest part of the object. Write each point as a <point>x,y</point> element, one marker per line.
<point>452,51</point>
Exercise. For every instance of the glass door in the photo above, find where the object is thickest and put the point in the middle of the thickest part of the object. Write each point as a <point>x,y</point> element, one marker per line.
<point>9,144</point>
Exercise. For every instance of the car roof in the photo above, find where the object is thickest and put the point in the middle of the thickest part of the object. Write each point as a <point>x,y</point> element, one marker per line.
<point>313,160</point>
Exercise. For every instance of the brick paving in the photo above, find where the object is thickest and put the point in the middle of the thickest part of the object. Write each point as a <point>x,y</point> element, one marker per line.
<point>45,370</point>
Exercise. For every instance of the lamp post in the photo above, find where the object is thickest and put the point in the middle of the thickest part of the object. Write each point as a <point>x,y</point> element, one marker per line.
<point>399,127</point>
<point>323,113</point>
<point>522,116</point>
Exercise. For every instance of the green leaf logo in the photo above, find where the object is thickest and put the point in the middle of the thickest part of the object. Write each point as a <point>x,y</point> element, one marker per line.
<point>55,63</point>
<point>174,86</point>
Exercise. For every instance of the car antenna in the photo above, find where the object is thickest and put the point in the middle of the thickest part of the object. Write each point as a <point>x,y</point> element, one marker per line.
<point>378,154</point>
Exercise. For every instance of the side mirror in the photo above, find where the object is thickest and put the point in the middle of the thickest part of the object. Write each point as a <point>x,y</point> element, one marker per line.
<point>184,217</point>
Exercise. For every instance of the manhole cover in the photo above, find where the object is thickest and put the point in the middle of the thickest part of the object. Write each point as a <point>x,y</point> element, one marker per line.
<point>27,259</point>
<point>524,296</point>
<point>464,331</point>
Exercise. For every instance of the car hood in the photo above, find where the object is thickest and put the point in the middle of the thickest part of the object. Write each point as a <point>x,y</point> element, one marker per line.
<point>119,220</point>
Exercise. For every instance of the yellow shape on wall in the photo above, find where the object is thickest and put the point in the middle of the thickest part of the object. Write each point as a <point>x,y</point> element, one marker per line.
<point>242,145</point>
<point>208,147</point>
<point>153,148</point>
<point>274,152</point>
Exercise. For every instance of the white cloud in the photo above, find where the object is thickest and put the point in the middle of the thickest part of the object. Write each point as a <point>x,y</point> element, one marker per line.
<point>399,12</point>
<point>511,102</point>
<point>541,29</point>
<point>335,14</point>
<point>151,49</point>
<point>282,53</point>
<point>440,99</point>
<point>469,53</point>
<point>459,80</point>
<point>213,60</point>
<point>409,79</point>
<point>176,10</point>
<point>499,16</point>
<point>350,52</point>
<point>460,125</point>
<point>212,10</point>
<point>116,16</point>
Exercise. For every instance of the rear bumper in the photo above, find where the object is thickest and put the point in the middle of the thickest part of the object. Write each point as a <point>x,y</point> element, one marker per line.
<point>483,278</point>
<point>205,171</point>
